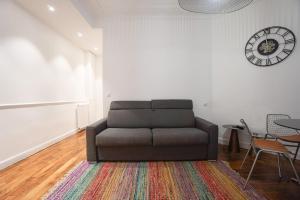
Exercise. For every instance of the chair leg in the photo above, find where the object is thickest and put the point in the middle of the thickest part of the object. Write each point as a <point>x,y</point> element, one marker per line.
<point>250,173</point>
<point>296,153</point>
<point>266,136</point>
<point>278,162</point>
<point>296,174</point>
<point>246,156</point>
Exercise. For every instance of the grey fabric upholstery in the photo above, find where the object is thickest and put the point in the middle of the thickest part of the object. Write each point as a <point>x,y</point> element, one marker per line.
<point>91,132</point>
<point>136,118</point>
<point>127,135</point>
<point>212,131</point>
<point>124,105</point>
<point>124,137</point>
<point>173,118</point>
<point>179,137</point>
<point>151,153</point>
<point>172,104</point>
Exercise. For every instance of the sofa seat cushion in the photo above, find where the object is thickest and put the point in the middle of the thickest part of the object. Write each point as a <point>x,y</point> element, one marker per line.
<point>179,136</point>
<point>124,137</point>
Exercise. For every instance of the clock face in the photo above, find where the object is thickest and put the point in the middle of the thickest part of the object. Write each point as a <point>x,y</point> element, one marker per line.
<point>270,46</point>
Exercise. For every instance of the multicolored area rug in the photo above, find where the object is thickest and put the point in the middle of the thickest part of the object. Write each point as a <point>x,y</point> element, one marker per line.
<point>152,180</point>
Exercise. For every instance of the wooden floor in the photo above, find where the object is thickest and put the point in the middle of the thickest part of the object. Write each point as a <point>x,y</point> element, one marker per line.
<point>32,177</point>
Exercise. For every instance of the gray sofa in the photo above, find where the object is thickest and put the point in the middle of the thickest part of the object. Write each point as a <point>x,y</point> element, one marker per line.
<point>151,130</point>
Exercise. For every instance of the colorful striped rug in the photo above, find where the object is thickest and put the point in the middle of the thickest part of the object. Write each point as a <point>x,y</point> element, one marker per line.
<point>152,180</point>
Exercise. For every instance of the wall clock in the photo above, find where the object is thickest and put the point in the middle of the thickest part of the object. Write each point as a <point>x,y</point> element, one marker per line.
<point>270,46</point>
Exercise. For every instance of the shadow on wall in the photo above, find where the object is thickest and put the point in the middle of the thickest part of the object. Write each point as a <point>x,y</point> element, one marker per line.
<point>23,36</point>
<point>30,53</point>
<point>37,64</point>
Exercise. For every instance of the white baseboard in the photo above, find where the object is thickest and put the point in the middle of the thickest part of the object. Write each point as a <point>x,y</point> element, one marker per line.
<point>33,150</point>
<point>243,144</point>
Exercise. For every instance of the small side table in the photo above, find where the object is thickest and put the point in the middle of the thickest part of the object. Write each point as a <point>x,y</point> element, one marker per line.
<point>234,145</point>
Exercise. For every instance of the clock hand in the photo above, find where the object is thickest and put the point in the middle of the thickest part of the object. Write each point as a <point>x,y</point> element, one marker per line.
<point>267,46</point>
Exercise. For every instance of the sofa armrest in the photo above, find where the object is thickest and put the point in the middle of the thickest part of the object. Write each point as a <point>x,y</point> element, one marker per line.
<point>91,132</point>
<point>212,131</point>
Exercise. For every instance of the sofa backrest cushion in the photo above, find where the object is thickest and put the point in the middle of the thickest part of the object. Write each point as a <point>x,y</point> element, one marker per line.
<point>124,105</point>
<point>172,113</point>
<point>155,114</point>
<point>173,118</point>
<point>172,104</point>
<point>129,114</point>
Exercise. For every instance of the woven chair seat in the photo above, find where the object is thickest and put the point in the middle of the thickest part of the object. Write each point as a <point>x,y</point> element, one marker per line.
<point>270,145</point>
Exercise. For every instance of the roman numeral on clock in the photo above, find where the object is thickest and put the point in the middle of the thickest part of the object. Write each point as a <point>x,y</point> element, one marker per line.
<point>249,51</point>
<point>278,29</point>
<point>256,37</point>
<point>258,61</point>
<point>278,59</point>
<point>251,58</point>
<point>285,34</point>
<point>267,31</point>
<point>250,44</point>
<point>268,62</point>
<point>290,41</point>
<point>287,51</point>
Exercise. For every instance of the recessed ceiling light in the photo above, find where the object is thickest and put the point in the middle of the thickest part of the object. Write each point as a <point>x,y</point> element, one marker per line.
<point>79,34</point>
<point>96,49</point>
<point>51,8</point>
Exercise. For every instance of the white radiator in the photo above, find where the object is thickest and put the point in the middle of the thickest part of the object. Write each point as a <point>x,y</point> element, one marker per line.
<point>82,114</point>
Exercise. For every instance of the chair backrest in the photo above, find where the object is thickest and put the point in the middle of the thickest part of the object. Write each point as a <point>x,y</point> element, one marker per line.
<point>250,133</point>
<point>247,128</point>
<point>273,128</point>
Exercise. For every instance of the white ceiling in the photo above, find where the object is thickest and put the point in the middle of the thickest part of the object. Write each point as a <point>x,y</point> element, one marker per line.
<point>95,10</point>
<point>68,21</point>
<point>85,16</point>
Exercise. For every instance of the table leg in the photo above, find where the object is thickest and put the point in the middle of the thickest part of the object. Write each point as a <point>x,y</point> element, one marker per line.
<point>234,145</point>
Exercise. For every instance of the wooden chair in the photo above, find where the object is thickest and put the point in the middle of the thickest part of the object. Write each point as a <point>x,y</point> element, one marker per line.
<point>268,146</point>
<point>285,134</point>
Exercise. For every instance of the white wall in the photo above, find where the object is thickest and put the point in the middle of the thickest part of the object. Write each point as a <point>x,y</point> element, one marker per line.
<point>99,87</point>
<point>37,65</point>
<point>150,57</point>
<point>93,86</point>
<point>145,57</point>
<point>242,90</point>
